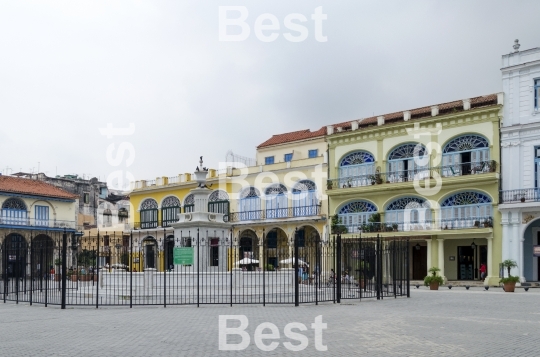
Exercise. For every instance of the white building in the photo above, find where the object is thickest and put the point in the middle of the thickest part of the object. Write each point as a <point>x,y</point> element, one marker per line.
<point>520,156</point>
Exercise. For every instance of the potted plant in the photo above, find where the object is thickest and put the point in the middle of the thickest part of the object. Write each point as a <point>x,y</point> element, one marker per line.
<point>336,226</point>
<point>509,283</point>
<point>433,280</point>
<point>488,222</point>
<point>522,199</point>
<point>395,227</point>
<point>329,184</point>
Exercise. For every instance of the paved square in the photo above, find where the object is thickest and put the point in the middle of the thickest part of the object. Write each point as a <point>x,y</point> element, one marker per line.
<point>453,322</point>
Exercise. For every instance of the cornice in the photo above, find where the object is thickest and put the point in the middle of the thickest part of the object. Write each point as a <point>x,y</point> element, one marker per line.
<point>398,129</point>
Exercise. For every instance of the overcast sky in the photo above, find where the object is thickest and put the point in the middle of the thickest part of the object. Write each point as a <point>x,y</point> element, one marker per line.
<point>67,68</point>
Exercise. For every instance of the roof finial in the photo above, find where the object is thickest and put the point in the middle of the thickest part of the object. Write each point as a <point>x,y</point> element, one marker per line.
<point>516,46</point>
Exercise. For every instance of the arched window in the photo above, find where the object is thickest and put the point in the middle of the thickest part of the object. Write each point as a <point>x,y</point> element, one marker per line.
<point>218,202</point>
<point>466,154</point>
<point>355,214</point>
<point>170,208</point>
<point>149,213</point>
<point>466,210</point>
<point>356,168</point>
<point>250,204</point>
<point>305,202</point>
<point>107,217</point>
<point>276,201</point>
<point>14,212</point>
<point>189,203</point>
<point>408,213</point>
<point>408,162</point>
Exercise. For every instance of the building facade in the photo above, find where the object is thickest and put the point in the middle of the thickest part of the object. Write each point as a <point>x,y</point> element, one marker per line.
<point>520,142</point>
<point>431,174</point>
<point>33,217</point>
<point>270,202</point>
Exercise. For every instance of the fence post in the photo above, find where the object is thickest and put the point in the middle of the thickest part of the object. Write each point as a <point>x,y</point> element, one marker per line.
<point>296,270</point>
<point>263,267</point>
<point>96,271</point>
<point>408,270</point>
<point>198,266</point>
<point>338,268</point>
<point>166,266</point>
<point>64,270</point>
<point>4,269</point>
<point>231,265</point>
<point>378,267</point>
<point>131,270</point>
<point>31,269</point>
<point>317,269</point>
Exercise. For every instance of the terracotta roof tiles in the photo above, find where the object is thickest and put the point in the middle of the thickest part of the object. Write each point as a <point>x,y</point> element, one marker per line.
<point>32,187</point>
<point>417,113</point>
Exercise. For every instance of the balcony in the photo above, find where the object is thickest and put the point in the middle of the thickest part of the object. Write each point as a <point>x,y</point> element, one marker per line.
<point>32,223</point>
<point>277,213</point>
<point>425,225</point>
<point>379,178</point>
<point>520,196</point>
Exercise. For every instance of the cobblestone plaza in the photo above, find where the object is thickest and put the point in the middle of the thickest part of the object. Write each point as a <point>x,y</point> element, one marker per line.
<point>455,322</point>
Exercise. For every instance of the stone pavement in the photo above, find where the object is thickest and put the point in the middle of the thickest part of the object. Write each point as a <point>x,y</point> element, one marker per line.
<point>453,322</point>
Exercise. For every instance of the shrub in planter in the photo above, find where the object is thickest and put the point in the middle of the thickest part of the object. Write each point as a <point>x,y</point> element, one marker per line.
<point>433,280</point>
<point>509,283</point>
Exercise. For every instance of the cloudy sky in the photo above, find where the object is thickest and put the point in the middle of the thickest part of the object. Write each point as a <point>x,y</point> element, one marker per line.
<point>68,68</point>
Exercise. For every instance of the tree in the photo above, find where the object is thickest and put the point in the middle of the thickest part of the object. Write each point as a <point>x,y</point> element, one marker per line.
<point>509,264</point>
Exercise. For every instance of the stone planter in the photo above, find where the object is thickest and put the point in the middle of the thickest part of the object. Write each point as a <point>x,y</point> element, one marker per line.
<point>509,287</point>
<point>57,277</point>
<point>434,286</point>
<point>74,277</point>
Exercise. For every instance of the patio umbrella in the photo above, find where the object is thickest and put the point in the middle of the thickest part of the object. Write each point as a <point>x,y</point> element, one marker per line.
<point>247,261</point>
<point>291,261</point>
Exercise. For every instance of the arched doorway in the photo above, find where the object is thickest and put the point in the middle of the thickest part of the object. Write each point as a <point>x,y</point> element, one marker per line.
<point>42,255</point>
<point>248,247</point>
<point>276,248</point>
<point>15,252</point>
<point>531,252</point>
<point>150,250</point>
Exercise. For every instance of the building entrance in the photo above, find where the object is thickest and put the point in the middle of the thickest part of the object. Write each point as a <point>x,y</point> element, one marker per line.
<point>419,258</point>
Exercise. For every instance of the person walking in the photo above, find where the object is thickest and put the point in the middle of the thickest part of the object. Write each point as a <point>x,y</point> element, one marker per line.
<point>483,271</point>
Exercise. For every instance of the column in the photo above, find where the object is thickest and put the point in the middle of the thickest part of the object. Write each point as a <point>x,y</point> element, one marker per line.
<point>441,256</point>
<point>493,272</point>
<point>517,242</point>
<point>521,260</point>
<point>429,264</point>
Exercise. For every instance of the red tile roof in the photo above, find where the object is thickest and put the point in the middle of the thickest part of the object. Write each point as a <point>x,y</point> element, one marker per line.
<point>293,136</point>
<point>417,113</point>
<point>32,187</point>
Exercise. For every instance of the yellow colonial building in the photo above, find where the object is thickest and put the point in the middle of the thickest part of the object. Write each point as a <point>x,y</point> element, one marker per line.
<point>268,201</point>
<point>431,174</point>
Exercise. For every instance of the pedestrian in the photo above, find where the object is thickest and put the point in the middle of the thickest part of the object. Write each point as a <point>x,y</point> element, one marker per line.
<point>52,272</point>
<point>483,271</point>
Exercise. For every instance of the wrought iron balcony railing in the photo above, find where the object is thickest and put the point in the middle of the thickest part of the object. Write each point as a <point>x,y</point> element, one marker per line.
<point>521,195</point>
<point>39,223</point>
<point>425,225</point>
<point>275,213</point>
<point>421,173</point>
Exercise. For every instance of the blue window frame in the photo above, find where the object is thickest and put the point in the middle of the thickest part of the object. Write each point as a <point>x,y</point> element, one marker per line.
<point>269,160</point>
<point>42,215</point>
<point>313,153</point>
<point>288,157</point>
<point>536,93</point>
<point>537,166</point>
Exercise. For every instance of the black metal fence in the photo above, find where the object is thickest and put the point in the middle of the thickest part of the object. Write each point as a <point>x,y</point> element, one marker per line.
<point>130,269</point>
